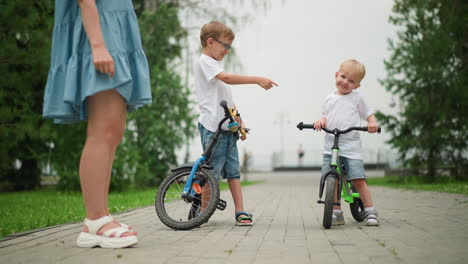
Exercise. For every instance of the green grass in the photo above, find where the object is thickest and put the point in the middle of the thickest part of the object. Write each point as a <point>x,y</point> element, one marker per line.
<point>22,211</point>
<point>412,183</point>
<point>224,186</point>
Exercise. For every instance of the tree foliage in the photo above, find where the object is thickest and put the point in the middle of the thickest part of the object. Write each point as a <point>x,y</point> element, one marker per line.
<point>156,131</point>
<point>428,72</point>
<point>24,57</point>
<point>30,144</point>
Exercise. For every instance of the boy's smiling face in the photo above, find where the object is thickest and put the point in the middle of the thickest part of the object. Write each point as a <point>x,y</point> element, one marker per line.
<point>218,48</point>
<point>346,81</point>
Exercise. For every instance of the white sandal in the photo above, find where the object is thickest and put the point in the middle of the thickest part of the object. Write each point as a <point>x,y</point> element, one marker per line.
<point>92,239</point>
<point>121,224</point>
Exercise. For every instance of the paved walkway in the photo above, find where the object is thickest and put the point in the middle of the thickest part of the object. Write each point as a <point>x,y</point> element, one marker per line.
<point>416,227</point>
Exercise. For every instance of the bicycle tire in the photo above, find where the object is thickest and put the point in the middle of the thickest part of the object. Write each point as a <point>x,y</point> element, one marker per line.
<point>357,207</point>
<point>182,221</point>
<point>329,200</point>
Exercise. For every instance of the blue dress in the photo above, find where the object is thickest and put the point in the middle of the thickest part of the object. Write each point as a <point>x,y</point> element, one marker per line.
<point>73,76</point>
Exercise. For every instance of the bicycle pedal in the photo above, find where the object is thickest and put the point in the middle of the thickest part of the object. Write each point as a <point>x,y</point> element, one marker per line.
<point>320,201</point>
<point>221,204</point>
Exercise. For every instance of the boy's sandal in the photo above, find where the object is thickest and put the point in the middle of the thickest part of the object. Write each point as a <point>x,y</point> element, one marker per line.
<point>92,239</point>
<point>243,216</point>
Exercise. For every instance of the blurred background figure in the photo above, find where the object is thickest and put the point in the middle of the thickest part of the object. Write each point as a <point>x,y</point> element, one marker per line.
<point>300,155</point>
<point>245,164</point>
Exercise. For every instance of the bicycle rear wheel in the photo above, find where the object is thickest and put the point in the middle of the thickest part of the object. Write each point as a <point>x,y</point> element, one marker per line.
<point>183,214</point>
<point>329,200</point>
<point>357,207</point>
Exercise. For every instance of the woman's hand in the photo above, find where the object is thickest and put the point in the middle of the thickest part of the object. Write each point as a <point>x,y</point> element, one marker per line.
<point>102,60</point>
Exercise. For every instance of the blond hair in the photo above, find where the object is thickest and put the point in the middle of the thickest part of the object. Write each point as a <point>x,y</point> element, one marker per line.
<point>215,30</point>
<point>356,67</point>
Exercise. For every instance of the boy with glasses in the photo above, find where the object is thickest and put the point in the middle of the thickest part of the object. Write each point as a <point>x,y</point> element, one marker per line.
<point>212,86</point>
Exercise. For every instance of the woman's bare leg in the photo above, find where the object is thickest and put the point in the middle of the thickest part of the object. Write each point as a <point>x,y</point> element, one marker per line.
<point>107,113</point>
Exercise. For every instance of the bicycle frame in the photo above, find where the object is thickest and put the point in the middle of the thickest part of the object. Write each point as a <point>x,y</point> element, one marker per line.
<point>344,185</point>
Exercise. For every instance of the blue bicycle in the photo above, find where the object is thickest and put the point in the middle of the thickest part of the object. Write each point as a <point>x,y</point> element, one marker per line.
<point>188,197</point>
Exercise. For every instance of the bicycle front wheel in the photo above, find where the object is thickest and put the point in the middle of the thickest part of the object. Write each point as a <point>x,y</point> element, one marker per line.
<point>329,201</point>
<point>183,214</point>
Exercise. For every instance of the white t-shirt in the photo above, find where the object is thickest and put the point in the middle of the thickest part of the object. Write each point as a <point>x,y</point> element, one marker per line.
<point>210,92</point>
<point>343,111</point>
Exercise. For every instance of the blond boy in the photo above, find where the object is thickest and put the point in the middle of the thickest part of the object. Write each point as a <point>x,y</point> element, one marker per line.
<point>342,109</point>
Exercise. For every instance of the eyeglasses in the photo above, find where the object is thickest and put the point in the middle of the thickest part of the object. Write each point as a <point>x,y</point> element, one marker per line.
<point>226,46</point>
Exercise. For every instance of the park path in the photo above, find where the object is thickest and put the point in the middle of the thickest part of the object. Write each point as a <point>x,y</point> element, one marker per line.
<point>416,227</point>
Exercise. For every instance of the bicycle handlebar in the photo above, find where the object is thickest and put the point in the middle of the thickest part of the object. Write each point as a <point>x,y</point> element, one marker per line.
<point>301,126</point>
<point>223,104</point>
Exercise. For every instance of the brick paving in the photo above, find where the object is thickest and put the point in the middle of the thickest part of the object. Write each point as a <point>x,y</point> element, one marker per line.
<point>416,227</point>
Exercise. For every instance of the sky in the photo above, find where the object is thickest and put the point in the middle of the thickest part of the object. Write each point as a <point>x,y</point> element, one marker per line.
<point>300,44</point>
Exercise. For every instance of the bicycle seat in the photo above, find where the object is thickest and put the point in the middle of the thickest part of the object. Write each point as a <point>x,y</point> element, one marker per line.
<point>207,166</point>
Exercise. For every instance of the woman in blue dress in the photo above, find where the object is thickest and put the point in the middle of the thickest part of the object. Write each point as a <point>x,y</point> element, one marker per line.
<point>98,73</point>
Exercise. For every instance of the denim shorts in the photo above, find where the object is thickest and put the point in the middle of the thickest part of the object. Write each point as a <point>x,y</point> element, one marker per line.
<point>225,157</point>
<point>354,167</point>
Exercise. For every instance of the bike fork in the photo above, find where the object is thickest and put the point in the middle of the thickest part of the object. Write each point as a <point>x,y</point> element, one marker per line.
<point>322,186</point>
<point>188,190</point>
<point>188,185</point>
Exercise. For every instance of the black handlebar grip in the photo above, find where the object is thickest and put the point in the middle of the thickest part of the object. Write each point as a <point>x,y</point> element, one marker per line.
<point>301,126</point>
<point>379,129</point>
<point>223,104</point>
